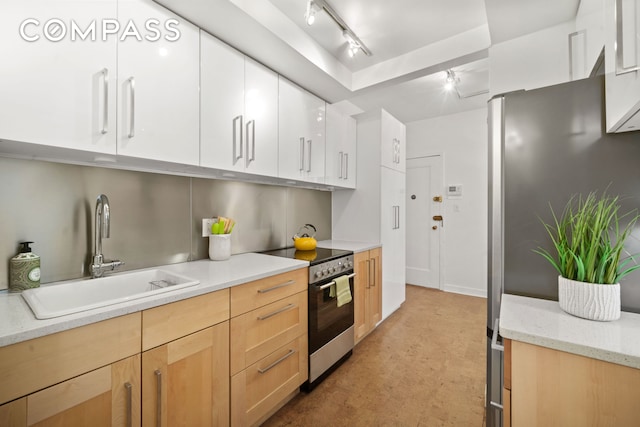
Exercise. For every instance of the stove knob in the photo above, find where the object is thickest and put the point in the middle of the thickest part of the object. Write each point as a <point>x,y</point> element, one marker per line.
<point>318,274</point>
<point>325,272</point>
<point>331,270</point>
<point>350,264</point>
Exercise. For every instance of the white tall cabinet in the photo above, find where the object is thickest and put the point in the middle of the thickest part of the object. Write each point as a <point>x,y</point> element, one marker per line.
<point>375,210</point>
<point>238,111</point>
<point>301,134</point>
<point>158,88</point>
<point>62,93</point>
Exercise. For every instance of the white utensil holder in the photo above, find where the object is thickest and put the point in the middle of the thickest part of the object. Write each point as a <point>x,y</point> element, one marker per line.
<point>219,247</point>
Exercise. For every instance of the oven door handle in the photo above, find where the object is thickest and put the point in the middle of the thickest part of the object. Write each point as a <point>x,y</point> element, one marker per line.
<point>320,288</point>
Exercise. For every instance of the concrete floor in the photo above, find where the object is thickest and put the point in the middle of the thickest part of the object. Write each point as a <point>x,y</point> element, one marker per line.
<point>423,366</point>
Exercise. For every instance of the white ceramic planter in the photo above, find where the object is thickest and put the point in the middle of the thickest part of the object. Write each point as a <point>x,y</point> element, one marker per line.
<point>588,300</point>
<point>219,247</point>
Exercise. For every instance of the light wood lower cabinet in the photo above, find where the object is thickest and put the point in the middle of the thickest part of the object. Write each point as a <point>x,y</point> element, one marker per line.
<point>108,396</point>
<point>186,382</point>
<point>368,292</point>
<point>260,388</point>
<point>269,351</point>
<point>554,388</point>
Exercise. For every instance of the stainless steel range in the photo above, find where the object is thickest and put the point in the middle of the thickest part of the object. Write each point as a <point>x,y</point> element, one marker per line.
<point>331,330</point>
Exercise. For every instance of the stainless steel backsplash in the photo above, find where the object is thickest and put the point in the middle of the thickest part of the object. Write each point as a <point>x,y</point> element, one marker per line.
<point>155,219</point>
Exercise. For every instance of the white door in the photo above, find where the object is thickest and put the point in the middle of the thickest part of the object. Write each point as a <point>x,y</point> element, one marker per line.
<point>424,201</point>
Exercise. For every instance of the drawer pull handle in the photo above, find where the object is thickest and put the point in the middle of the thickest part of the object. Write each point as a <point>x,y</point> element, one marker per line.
<point>128,386</point>
<point>283,309</point>
<point>273,365</point>
<point>159,397</point>
<point>273,288</point>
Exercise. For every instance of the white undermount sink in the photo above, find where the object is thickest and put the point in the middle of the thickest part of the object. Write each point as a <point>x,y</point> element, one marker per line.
<point>72,297</point>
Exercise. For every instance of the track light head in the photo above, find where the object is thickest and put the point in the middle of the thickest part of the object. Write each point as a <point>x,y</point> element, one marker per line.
<point>310,14</point>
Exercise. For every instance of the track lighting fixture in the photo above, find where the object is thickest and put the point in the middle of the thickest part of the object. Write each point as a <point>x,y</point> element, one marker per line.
<point>310,14</point>
<point>451,80</point>
<point>355,44</point>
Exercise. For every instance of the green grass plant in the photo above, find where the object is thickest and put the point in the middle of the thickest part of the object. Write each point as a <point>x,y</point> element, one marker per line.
<point>588,240</point>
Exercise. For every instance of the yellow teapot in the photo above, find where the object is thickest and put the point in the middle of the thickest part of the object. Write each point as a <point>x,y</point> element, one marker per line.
<point>304,239</point>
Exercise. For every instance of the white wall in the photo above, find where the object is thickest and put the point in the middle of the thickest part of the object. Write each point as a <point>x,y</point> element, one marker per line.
<point>535,60</point>
<point>462,139</point>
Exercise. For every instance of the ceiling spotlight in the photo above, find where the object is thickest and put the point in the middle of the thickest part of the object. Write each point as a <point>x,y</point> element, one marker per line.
<point>310,14</point>
<point>451,80</point>
<point>354,46</point>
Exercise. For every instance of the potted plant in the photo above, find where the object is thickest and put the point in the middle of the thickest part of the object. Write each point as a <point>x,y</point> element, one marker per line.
<point>588,241</point>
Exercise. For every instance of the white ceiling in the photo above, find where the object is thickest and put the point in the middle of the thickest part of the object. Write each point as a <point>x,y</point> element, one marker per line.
<point>413,42</point>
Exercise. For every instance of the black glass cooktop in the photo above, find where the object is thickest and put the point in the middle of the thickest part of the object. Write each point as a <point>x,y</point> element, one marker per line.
<point>316,256</point>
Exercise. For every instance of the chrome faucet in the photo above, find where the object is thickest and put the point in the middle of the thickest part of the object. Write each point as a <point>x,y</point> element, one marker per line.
<point>103,224</point>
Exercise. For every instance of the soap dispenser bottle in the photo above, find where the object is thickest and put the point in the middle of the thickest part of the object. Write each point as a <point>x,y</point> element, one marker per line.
<point>24,269</point>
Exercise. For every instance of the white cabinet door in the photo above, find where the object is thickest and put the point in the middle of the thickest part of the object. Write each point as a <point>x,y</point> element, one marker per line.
<point>239,111</point>
<point>392,144</point>
<point>158,82</point>
<point>340,168</point>
<point>221,105</point>
<point>393,239</point>
<point>57,93</point>
<point>301,136</point>
<point>261,119</point>
<point>622,65</point>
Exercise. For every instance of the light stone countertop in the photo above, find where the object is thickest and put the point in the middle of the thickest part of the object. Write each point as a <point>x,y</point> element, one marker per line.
<point>541,322</point>
<point>347,245</point>
<point>17,322</point>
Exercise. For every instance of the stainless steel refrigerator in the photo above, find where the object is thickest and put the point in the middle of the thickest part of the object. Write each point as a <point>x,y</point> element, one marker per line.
<point>544,146</point>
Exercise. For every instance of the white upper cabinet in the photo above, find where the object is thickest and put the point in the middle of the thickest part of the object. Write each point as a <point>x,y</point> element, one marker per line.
<point>158,84</point>
<point>341,149</point>
<point>301,136</point>
<point>57,93</point>
<point>622,65</point>
<point>392,144</point>
<point>238,111</point>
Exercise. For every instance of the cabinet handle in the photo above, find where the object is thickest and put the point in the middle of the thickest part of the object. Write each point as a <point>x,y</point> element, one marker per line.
<point>341,164</point>
<point>373,275</point>
<point>274,364</point>
<point>128,387</point>
<point>398,218</point>
<point>236,139</point>
<point>281,310</point>
<point>252,124</point>
<point>309,164</point>
<point>301,154</point>
<point>159,398</point>
<point>346,165</point>
<point>105,101</point>
<point>273,288</point>
<point>620,68</point>
<point>132,114</point>
<point>369,272</point>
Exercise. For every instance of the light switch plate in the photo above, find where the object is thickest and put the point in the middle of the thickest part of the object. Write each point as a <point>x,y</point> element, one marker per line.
<point>206,226</point>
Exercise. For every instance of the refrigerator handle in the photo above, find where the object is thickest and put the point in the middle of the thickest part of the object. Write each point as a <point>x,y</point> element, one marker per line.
<point>494,337</point>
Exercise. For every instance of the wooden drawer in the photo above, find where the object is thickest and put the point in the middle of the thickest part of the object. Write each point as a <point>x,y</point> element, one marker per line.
<point>255,294</point>
<point>172,321</point>
<point>263,385</point>
<point>260,332</point>
<point>32,365</point>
